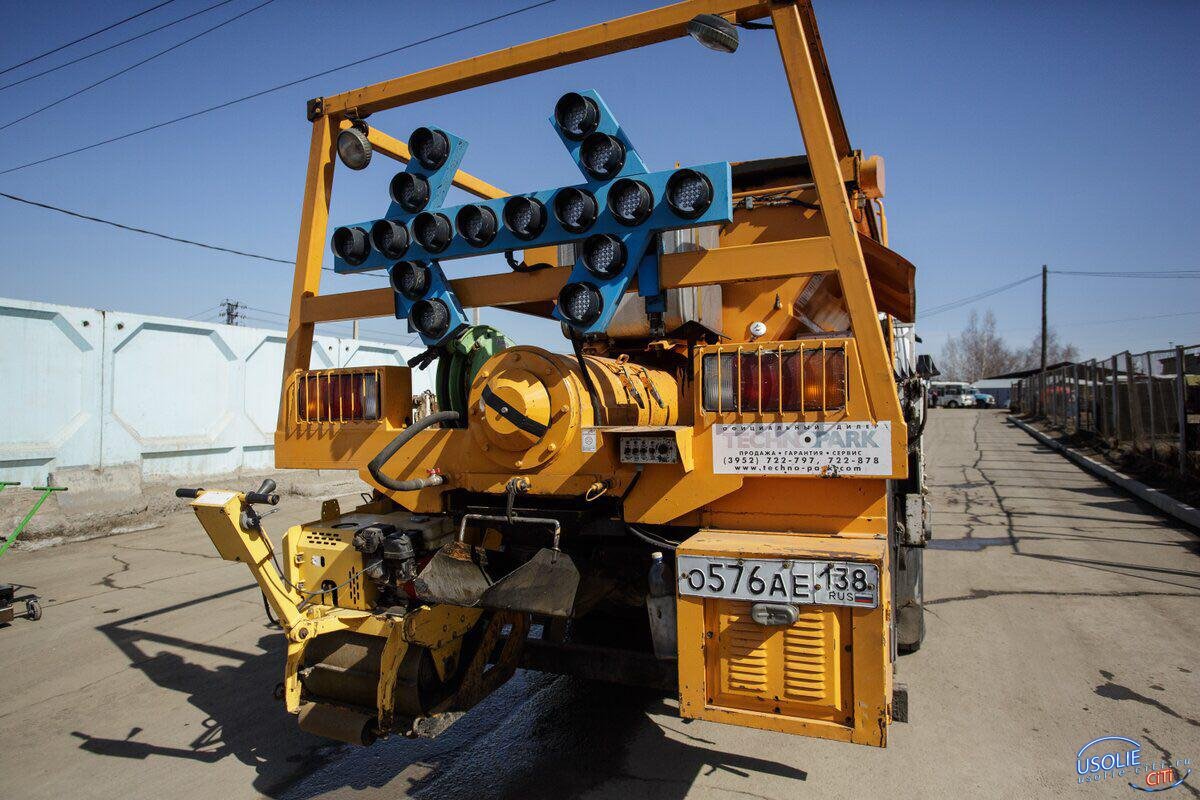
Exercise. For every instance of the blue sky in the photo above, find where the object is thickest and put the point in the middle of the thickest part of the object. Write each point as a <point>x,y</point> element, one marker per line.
<point>1015,134</point>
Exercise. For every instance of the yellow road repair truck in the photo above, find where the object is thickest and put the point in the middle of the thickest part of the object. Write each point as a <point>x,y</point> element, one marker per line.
<point>711,485</point>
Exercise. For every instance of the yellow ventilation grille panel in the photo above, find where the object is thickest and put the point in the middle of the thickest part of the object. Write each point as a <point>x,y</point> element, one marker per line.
<point>796,669</point>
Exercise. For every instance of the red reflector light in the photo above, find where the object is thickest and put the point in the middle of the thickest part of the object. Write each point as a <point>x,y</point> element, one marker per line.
<point>338,396</point>
<point>775,380</point>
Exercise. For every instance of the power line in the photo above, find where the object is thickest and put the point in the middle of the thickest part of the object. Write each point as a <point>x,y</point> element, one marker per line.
<point>953,304</point>
<point>168,237</point>
<point>144,231</point>
<point>1089,322</point>
<point>114,46</point>
<point>134,66</point>
<point>407,337</point>
<point>206,312</point>
<point>398,339</point>
<point>280,87</point>
<point>1164,273</point>
<point>1129,319</point>
<point>977,297</point>
<point>89,36</point>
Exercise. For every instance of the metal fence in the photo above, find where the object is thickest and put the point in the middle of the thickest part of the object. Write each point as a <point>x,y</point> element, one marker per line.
<point>1147,403</point>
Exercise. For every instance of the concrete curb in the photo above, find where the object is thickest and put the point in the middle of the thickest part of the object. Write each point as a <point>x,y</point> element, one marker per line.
<point>1186,514</point>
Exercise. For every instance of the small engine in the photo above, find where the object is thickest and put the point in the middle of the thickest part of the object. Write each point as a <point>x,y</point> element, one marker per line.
<point>365,561</point>
<point>394,554</point>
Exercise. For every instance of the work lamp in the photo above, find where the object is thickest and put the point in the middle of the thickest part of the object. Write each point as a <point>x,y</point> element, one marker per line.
<point>714,32</point>
<point>576,115</point>
<point>390,238</point>
<point>353,148</point>
<point>602,155</point>
<point>476,224</point>
<point>432,231</point>
<point>430,147</point>
<point>580,303</point>
<point>410,278</point>
<point>351,245</point>
<point>630,201</point>
<point>430,317</point>
<point>575,209</point>
<point>689,193</point>
<point>603,254</point>
<point>410,190</point>
<point>525,217</point>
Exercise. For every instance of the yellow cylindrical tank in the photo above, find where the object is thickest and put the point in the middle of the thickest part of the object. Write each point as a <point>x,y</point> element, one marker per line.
<point>528,404</point>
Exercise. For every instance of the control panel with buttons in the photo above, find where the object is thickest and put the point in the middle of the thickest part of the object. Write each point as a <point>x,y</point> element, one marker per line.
<point>649,450</point>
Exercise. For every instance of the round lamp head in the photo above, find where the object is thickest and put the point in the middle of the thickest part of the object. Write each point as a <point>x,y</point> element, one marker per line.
<point>390,238</point>
<point>429,146</point>
<point>432,231</point>
<point>714,32</point>
<point>630,202</point>
<point>603,254</point>
<point>575,209</point>
<point>431,318</point>
<point>351,245</point>
<point>576,115</point>
<point>353,148</point>
<point>689,193</point>
<point>410,278</point>
<point>580,303</point>
<point>525,217</point>
<point>410,191</point>
<point>602,155</point>
<point>476,224</point>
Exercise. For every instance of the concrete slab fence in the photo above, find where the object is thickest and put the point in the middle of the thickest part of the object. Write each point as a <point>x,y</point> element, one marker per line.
<point>154,397</point>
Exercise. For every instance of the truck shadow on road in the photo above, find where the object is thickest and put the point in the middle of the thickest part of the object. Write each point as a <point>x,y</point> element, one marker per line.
<point>243,720</point>
<point>538,736</point>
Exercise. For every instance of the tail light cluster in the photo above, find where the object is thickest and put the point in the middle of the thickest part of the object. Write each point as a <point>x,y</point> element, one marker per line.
<point>775,380</point>
<point>342,396</point>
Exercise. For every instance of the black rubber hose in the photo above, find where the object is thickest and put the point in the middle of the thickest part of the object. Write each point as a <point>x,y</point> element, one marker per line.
<point>385,455</point>
<point>521,266</point>
<point>597,409</point>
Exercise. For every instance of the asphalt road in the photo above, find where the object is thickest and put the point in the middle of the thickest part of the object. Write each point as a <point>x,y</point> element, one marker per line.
<point>1059,611</point>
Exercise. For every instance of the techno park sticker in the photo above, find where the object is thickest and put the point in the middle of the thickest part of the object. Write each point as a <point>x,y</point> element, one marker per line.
<point>803,448</point>
<point>1116,758</point>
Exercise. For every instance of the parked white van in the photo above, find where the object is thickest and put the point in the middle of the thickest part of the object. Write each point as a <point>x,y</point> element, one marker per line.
<point>951,395</point>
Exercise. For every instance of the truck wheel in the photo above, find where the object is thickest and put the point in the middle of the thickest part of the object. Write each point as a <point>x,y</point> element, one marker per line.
<point>910,599</point>
<point>952,404</point>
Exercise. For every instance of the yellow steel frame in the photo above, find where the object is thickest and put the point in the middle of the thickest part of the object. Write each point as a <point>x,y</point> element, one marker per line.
<point>821,126</point>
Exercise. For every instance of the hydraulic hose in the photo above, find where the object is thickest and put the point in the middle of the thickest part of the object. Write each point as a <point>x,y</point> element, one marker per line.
<point>593,395</point>
<point>385,455</point>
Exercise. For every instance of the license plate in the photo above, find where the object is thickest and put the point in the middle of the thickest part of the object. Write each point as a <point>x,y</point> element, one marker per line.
<point>761,580</point>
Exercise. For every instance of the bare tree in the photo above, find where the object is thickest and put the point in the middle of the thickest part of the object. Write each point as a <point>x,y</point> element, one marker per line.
<point>1056,351</point>
<point>977,352</point>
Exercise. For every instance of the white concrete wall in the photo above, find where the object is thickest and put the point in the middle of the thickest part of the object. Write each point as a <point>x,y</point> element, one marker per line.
<point>88,388</point>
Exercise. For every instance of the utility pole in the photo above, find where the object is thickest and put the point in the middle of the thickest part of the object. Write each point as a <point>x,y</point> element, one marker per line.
<point>355,329</point>
<point>1044,273</point>
<point>233,311</point>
